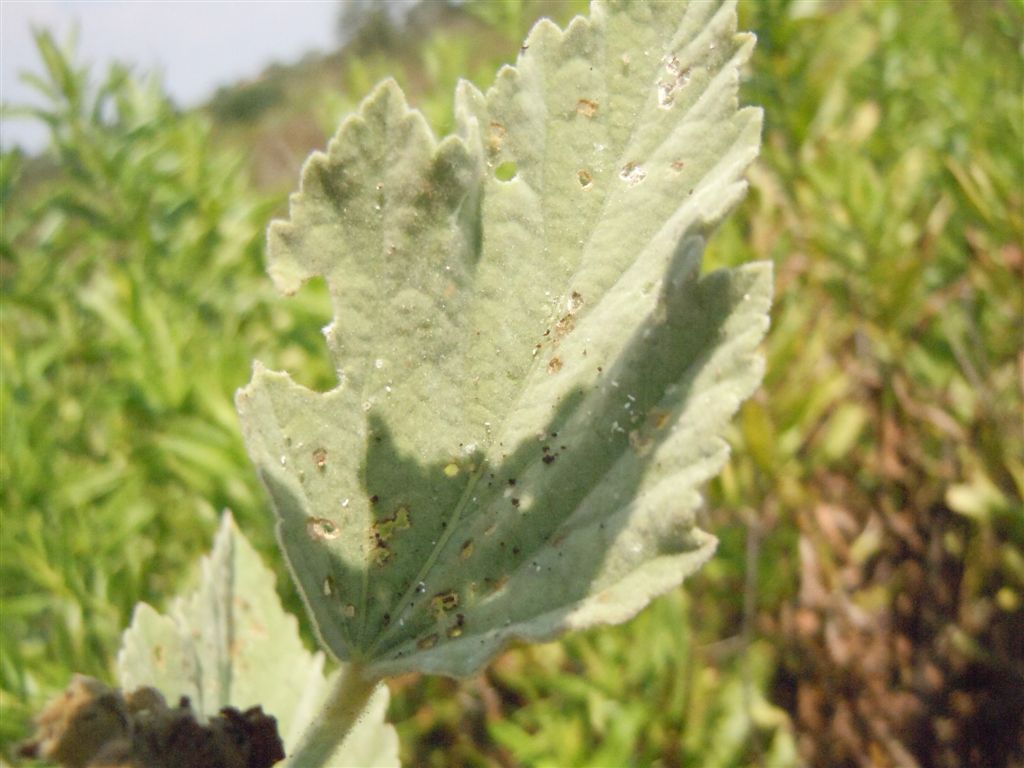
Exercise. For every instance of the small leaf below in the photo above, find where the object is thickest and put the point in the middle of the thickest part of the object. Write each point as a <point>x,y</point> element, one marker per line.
<point>231,644</point>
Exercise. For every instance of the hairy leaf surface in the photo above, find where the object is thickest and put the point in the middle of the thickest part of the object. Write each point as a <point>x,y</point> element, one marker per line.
<point>230,643</point>
<point>533,373</point>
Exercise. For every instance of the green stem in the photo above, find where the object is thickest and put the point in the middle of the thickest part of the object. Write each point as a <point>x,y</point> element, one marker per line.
<point>342,710</point>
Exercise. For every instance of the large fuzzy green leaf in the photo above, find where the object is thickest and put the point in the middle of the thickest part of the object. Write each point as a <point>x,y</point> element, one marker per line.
<point>533,373</point>
<point>230,643</point>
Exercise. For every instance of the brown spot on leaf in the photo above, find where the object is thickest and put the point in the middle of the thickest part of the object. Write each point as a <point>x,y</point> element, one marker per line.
<point>496,137</point>
<point>320,458</point>
<point>586,107</point>
<point>566,324</point>
<point>443,602</point>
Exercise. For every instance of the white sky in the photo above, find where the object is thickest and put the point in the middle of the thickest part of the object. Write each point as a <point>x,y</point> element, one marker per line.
<point>198,45</point>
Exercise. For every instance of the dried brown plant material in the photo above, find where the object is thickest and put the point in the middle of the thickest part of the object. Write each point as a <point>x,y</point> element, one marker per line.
<point>872,674</point>
<point>76,726</point>
<point>93,726</point>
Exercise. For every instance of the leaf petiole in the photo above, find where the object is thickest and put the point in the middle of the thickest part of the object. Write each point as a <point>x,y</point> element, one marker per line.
<point>342,709</point>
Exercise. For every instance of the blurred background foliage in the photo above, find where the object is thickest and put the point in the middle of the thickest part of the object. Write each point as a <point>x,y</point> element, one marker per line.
<point>865,607</point>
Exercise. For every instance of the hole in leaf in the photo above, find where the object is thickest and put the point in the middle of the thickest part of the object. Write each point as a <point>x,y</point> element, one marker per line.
<point>506,171</point>
<point>321,528</point>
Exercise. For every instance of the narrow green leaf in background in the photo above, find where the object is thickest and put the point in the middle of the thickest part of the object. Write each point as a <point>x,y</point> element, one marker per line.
<point>230,643</point>
<point>533,374</point>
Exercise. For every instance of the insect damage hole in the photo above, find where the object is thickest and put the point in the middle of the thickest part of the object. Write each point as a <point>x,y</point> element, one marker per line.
<point>320,528</point>
<point>507,171</point>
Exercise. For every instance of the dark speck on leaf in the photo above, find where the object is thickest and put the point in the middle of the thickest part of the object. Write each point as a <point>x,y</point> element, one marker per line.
<point>515,502</point>
<point>549,458</point>
<point>511,481</point>
<point>374,499</point>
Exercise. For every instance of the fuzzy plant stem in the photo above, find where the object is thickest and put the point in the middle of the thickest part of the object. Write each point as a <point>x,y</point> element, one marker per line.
<point>342,709</point>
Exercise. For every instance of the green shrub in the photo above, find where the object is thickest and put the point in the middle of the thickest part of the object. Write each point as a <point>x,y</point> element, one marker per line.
<point>133,300</point>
